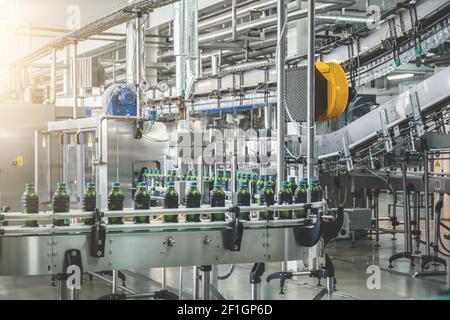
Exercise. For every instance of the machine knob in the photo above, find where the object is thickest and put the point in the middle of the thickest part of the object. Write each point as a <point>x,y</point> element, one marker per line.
<point>171,242</point>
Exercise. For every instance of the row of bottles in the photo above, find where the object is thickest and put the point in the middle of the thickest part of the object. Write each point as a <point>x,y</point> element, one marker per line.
<point>61,200</point>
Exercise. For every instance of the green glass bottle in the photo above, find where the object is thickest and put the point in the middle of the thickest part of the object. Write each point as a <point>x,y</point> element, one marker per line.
<point>238,180</point>
<point>285,197</point>
<point>292,185</point>
<point>260,184</point>
<point>316,191</point>
<point>89,201</point>
<point>193,200</point>
<point>273,181</point>
<point>141,202</point>
<point>217,199</point>
<point>300,197</point>
<point>220,176</point>
<point>115,202</point>
<point>171,202</point>
<point>226,181</point>
<point>61,203</point>
<point>253,182</point>
<point>30,204</point>
<point>243,200</point>
<point>266,198</point>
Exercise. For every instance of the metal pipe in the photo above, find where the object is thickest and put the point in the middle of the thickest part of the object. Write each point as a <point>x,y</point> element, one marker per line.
<point>226,17</point>
<point>310,157</point>
<point>233,19</point>
<point>437,228</point>
<point>406,216</point>
<point>377,218</point>
<point>257,24</point>
<point>180,284</point>
<point>281,57</point>
<point>163,278</point>
<point>139,62</point>
<point>255,290</point>
<point>96,275</point>
<point>62,290</point>
<point>53,76</point>
<point>195,284</point>
<point>75,79</point>
<point>114,282</point>
<point>427,203</point>
<point>206,281</point>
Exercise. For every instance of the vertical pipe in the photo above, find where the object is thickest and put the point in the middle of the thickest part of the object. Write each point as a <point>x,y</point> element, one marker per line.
<point>163,279</point>
<point>206,282</point>
<point>139,63</point>
<point>427,204</point>
<point>53,77</point>
<point>114,282</point>
<point>255,288</point>
<point>62,292</point>
<point>233,18</point>
<point>311,95</point>
<point>377,218</point>
<point>281,58</point>
<point>195,284</point>
<point>75,79</point>
<point>180,284</point>
<point>406,216</point>
<point>437,228</point>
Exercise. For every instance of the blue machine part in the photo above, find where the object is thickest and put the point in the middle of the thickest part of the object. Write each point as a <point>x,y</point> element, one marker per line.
<point>122,102</point>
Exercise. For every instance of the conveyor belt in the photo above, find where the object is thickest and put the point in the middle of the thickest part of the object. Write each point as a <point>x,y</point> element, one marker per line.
<point>408,114</point>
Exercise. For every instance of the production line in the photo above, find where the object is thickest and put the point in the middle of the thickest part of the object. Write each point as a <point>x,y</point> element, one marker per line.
<point>288,142</point>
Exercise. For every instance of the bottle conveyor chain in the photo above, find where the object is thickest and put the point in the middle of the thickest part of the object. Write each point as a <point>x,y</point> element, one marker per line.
<point>406,116</point>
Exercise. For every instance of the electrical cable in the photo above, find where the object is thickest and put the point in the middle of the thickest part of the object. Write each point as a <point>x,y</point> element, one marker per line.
<point>228,274</point>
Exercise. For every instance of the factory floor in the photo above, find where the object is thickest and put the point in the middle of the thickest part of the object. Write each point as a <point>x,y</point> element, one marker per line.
<point>351,273</point>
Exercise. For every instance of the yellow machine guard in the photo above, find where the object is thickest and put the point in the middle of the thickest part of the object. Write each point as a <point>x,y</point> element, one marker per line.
<point>337,85</point>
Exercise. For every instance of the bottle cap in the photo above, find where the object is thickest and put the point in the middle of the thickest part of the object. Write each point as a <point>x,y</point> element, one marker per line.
<point>60,185</point>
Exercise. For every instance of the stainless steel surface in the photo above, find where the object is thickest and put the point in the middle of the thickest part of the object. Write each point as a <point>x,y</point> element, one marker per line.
<point>18,123</point>
<point>45,255</point>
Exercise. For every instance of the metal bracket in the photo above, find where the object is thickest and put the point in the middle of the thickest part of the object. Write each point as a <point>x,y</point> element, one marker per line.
<point>347,154</point>
<point>417,114</point>
<point>98,236</point>
<point>308,236</point>
<point>232,237</point>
